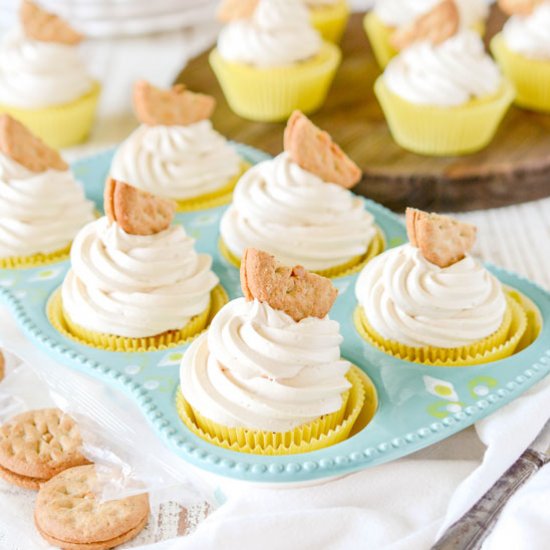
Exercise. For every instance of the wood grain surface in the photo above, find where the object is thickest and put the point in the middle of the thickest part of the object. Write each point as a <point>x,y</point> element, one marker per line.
<point>514,168</point>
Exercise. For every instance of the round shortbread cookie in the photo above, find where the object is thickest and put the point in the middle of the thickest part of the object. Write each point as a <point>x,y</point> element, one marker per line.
<point>40,444</point>
<point>21,481</point>
<point>68,513</point>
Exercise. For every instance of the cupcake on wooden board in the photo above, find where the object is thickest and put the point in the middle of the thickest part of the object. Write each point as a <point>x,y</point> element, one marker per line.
<point>175,153</point>
<point>389,17</point>
<point>329,17</point>
<point>136,282</point>
<point>431,302</point>
<point>298,207</point>
<point>269,60</point>
<point>522,50</point>
<point>442,95</point>
<point>268,377</point>
<point>43,80</point>
<point>42,206</point>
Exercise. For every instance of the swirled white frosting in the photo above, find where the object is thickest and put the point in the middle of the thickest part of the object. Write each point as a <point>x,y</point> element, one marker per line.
<point>449,74</point>
<point>40,74</point>
<point>395,13</point>
<point>39,212</point>
<point>178,162</point>
<point>294,215</point>
<point>279,33</point>
<point>257,368</point>
<point>530,35</point>
<point>410,300</point>
<point>135,285</point>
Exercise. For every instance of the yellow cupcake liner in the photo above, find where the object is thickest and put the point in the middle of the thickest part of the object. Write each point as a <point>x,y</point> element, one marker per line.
<point>331,20</point>
<point>35,260</point>
<point>60,125</point>
<point>534,318</point>
<point>356,264</point>
<point>272,93</point>
<point>441,131</point>
<point>499,345</point>
<point>379,36</point>
<point>110,342</point>
<point>360,400</point>
<point>531,77</point>
<point>216,198</point>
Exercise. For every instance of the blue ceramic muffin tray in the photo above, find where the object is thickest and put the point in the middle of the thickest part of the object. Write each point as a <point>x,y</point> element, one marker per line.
<point>418,405</point>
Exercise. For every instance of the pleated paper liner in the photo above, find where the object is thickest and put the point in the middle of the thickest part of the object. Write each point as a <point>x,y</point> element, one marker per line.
<point>35,260</point>
<point>530,77</point>
<point>441,131</point>
<point>499,345</point>
<point>360,400</point>
<point>110,342</point>
<point>534,318</point>
<point>221,196</point>
<point>271,94</point>
<point>60,125</point>
<point>354,265</point>
<point>330,20</point>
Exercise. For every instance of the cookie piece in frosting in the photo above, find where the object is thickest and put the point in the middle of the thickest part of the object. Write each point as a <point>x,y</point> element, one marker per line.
<point>19,144</point>
<point>137,212</point>
<point>436,26</point>
<point>442,240</point>
<point>232,10</point>
<point>313,150</point>
<point>293,290</point>
<point>175,107</point>
<point>43,26</point>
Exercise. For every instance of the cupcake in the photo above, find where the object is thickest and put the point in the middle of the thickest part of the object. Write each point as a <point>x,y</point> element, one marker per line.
<point>136,282</point>
<point>388,18</point>
<point>522,50</point>
<point>43,81</point>
<point>298,207</point>
<point>42,207</point>
<point>175,153</point>
<point>329,17</point>
<point>267,377</point>
<point>443,95</point>
<point>270,60</point>
<point>429,301</point>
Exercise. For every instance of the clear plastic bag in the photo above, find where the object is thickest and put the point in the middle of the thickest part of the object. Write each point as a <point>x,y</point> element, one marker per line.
<point>129,456</point>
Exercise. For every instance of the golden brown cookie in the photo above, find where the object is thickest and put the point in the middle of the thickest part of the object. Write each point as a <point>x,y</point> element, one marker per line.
<point>43,26</point>
<point>37,445</point>
<point>439,24</point>
<point>68,514</point>
<point>231,10</point>
<point>313,150</point>
<point>136,211</point>
<point>293,290</point>
<point>18,143</point>
<point>174,107</point>
<point>443,241</point>
<point>519,7</point>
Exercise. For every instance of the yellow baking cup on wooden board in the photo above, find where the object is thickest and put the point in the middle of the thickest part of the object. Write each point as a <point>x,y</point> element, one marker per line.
<point>499,345</point>
<point>110,342</point>
<point>359,401</point>
<point>330,20</point>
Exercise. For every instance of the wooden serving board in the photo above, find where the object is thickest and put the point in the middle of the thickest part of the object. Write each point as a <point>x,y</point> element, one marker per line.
<point>514,168</point>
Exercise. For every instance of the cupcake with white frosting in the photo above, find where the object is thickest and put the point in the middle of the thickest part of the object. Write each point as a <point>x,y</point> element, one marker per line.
<point>43,80</point>
<point>431,302</point>
<point>135,284</point>
<point>522,50</point>
<point>268,377</point>
<point>329,18</point>
<point>269,60</point>
<point>294,209</point>
<point>178,156</point>
<point>387,16</point>
<point>42,206</point>
<point>443,95</point>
